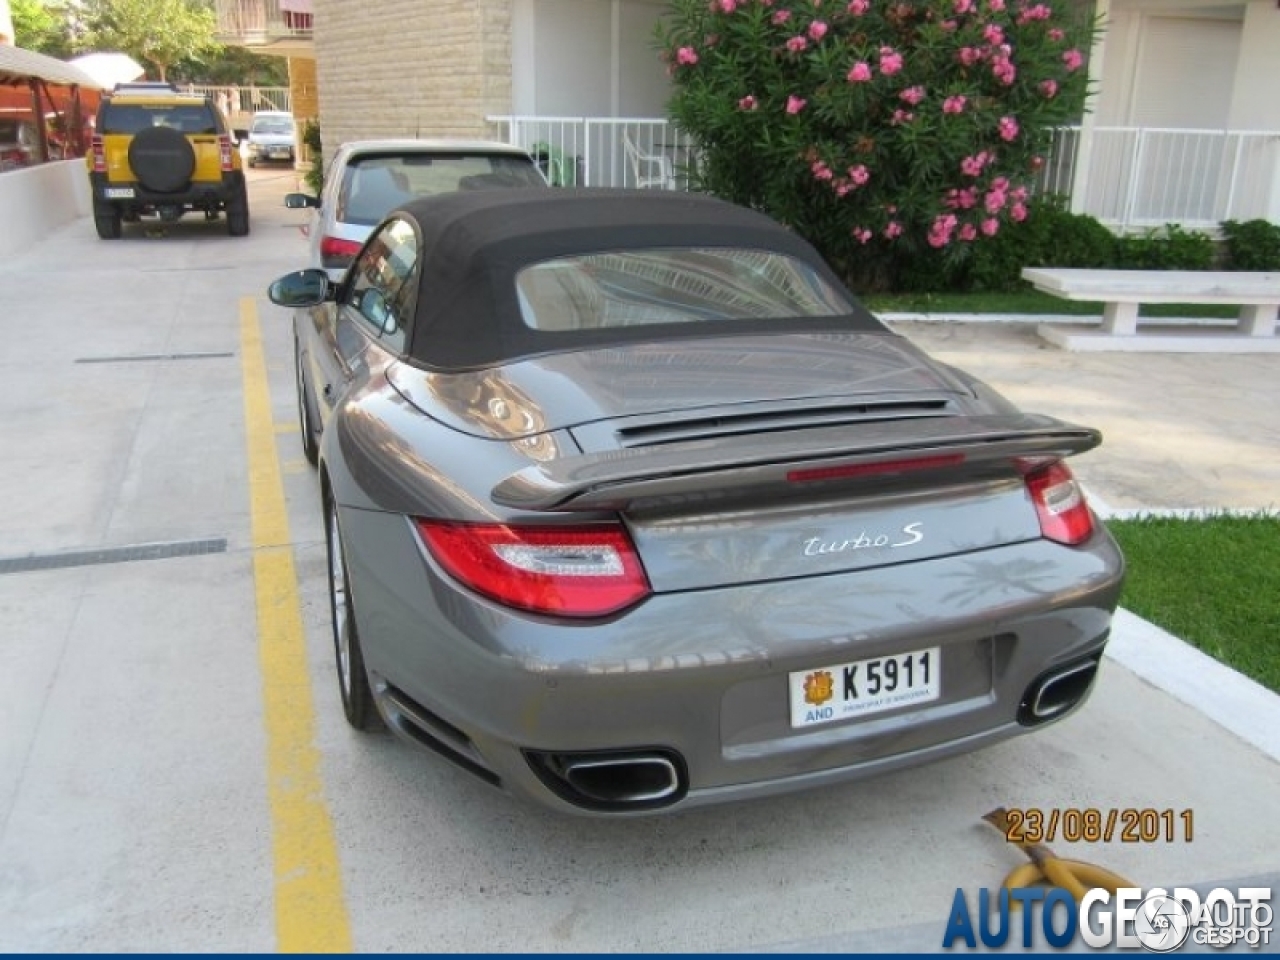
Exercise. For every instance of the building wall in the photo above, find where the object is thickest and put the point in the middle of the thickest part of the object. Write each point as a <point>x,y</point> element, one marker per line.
<point>409,68</point>
<point>1255,102</point>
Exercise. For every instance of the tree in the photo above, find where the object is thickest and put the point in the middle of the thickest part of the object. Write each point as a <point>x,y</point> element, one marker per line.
<point>886,132</point>
<point>42,27</point>
<point>158,32</point>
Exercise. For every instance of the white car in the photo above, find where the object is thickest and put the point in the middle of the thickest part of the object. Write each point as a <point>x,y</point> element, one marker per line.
<point>367,179</point>
<point>272,136</point>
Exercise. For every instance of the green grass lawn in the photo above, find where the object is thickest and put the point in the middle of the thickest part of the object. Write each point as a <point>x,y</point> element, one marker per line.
<point>1027,301</point>
<point>1213,582</point>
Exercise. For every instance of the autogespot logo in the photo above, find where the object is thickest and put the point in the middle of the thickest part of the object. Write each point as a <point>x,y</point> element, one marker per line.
<point>1157,920</point>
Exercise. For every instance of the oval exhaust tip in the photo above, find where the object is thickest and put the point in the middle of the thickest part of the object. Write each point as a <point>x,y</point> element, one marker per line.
<point>1057,692</point>
<point>624,780</point>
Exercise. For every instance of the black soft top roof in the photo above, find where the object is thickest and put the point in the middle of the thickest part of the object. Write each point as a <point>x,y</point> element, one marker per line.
<point>474,244</point>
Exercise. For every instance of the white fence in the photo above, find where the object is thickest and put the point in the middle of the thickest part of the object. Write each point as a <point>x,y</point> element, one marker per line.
<point>1148,176</point>
<point>1137,176</point>
<point>630,152</point>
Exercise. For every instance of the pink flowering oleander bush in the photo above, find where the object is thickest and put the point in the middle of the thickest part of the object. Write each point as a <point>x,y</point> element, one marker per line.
<point>884,131</point>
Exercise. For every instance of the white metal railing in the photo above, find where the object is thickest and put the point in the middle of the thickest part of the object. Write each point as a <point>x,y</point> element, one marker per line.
<point>627,152</point>
<point>235,99</point>
<point>261,21</point>
<point>1149,176</point>
<point>1136,176</point>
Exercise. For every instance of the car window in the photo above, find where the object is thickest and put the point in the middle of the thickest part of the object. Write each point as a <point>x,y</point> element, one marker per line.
<point>671,285</point>
<point>383,283</point>
<point>373,186</point>
<point>280,125</point>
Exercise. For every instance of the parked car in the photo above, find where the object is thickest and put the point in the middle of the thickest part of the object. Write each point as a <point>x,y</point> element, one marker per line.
<point>272,136</point>
<point>160,152</point>
<point>631,506</point>
<point>367,178</point>
<point>19,143</point>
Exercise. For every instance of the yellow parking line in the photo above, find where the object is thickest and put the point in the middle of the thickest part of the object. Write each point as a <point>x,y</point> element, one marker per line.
<point>311,914</point>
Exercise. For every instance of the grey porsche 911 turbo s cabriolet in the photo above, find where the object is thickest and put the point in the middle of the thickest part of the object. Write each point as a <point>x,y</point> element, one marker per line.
<point>632,507</point>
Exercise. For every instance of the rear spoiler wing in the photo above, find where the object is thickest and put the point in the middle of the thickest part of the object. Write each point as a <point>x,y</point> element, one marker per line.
<point>611,480</point>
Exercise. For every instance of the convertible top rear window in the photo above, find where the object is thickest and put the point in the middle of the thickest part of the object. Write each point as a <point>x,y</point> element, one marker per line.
<point>631,288</point>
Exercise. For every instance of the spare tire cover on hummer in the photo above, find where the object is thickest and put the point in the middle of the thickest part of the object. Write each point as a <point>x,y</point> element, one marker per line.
<point>162,159</point>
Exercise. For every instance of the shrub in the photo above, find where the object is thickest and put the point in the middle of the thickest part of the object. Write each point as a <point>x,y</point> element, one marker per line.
<point>1051,236</point>
<point>1252,245</point>
<point>1171,248</point>
<point>314,178</point>
<point>880,131</point>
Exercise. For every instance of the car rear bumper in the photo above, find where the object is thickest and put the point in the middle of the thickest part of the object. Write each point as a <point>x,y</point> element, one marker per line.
<point>702,676</point>
<point>199,196</point>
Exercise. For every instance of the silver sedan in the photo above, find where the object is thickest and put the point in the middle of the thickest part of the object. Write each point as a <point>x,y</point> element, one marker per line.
<point>632,507</point>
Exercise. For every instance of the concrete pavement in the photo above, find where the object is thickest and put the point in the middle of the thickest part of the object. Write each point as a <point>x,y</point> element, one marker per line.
<point>134,773</point>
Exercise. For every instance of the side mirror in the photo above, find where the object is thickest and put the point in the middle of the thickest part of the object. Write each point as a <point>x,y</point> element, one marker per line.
<point>302,288</point>
<point>299,201</point>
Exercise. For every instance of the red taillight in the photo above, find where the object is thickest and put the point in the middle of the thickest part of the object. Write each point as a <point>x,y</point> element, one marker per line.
<point>224,152</point>
<point>99,154</point>
<point>1060,505</point>
<point>336,253</point>
<point>580,571</point>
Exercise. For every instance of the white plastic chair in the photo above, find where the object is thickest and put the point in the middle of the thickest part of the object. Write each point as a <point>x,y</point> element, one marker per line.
<point>648,169</point>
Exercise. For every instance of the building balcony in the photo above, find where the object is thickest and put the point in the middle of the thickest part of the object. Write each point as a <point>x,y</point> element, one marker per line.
<point>280,27</point>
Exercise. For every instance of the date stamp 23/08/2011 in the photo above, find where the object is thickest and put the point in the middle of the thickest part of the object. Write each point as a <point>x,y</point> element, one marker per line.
<point>1095,825</point>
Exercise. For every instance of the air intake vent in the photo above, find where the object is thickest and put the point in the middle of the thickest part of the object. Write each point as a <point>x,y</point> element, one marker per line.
<point>703,428</point>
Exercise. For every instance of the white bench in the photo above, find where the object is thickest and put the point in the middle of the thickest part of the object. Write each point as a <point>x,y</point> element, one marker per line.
<point>1257,295</point>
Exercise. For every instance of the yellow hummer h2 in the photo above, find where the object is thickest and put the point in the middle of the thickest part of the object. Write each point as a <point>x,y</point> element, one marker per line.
<point>159,152</point>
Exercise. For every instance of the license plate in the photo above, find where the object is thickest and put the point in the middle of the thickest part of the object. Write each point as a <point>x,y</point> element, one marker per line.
<point>119,193</point>
<point>849,690</point>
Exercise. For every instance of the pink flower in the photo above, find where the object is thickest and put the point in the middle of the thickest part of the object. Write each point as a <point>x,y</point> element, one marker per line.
<point>995,6</point>
<point>817,30</point>
<point>1018,212</point>
<point>949,26</point>
<point>990,226</point>
<point>795,104</point>
<point>890,61</point>
<point>954,104</point>
<point>1072,58</point>
<point>859,175</point>
<point>1049,88</point>
<point>821,171</point>
<point>728,6</point>
<point>780,17</point>
<point>1008,129</point>
<point>1039,12</point>
<point>893,230</point>
<point>1037,163</point>
<point>841,187</point>
<point>993,34</point>
<point>972,166</point>
<point>969,56</point>
<point>748,103</point>
<point>860,73</point>
<point>686,56</point>
<point>1056,35</point>
<point>900,117</point>
<point>962,6</point>
<point>858,7</point>
<point>1019,194</point>
<point>861,234</point>
<point>797,44</point>
<point>1004,70</point>
<point>941,230</point>
<point>967,198</point>
<point>994,202</point>
<point>968,233</point>
<point>912,95</point>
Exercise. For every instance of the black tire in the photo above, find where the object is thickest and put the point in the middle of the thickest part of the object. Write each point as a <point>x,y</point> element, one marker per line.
<point>353,680</point>
<point>108,223</point>
<point>162,159</point>
<point>310,448</point>
<point>238,212</point>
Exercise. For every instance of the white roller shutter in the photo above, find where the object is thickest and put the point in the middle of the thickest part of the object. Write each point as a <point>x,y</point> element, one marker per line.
<point>1186,69</point>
